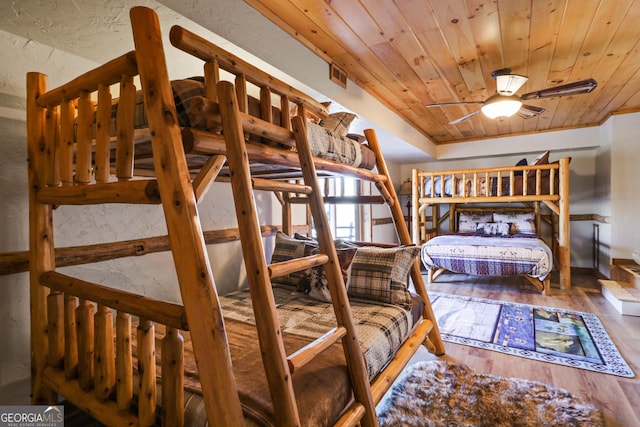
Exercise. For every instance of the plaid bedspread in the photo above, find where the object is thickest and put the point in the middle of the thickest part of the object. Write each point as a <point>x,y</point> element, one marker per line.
<point>489,255</point>
<point>324,143</point>
<point>381,328</point>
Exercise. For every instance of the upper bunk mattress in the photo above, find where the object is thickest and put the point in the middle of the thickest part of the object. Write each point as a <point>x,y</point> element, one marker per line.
<point>324,143</point>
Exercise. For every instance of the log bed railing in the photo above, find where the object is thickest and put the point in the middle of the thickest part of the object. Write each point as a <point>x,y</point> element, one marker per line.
<point>546,184</point>
<point>82,362</point>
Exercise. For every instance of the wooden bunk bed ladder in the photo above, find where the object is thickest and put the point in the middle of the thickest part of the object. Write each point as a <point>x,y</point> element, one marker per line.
<point>278,366</point>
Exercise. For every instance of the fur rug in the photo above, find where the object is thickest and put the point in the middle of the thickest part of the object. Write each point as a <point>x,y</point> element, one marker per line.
<point>438,393</point>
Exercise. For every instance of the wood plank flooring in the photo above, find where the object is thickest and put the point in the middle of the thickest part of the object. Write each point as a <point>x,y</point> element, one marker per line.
<point>617,397</point>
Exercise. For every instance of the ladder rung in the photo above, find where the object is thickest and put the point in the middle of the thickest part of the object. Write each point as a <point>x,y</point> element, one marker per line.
<point>272,185</point>
<point>352,416</point>
<point>351,200</point>
<point>311,350</point>
<point>367,200</point>
<point>283,268</point>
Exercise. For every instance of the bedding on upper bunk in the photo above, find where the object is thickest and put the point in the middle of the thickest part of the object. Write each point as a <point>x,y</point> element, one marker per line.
<point>328,139</point>
<point>434,187</point>
<point>469,186</point>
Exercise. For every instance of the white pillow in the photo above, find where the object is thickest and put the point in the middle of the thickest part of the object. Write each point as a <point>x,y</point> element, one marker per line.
<point>521,223</point>
<point>468,221</point>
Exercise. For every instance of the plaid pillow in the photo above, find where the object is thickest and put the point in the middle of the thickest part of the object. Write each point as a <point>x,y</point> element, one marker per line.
<point>318,284</point>
<point>338,122</point>
<point>381,274</point>
<point>288,248</point>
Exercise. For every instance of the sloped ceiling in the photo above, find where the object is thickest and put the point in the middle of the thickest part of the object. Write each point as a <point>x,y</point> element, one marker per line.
<point>409,53</point>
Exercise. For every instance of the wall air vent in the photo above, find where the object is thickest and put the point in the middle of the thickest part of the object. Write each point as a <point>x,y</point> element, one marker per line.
<point>338,75</point>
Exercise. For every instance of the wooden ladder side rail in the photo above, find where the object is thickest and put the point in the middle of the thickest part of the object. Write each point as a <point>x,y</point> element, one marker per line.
<point>405,239</point>
<point>337,289</point>
<point>195,278</point>
<point>267,325</point>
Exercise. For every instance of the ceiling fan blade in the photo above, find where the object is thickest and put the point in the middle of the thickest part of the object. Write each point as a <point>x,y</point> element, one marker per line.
<point>575,88</point>
<point>452,104</point>
<point>463,118</point>
<point>508,84</point>
<point>529,111</point>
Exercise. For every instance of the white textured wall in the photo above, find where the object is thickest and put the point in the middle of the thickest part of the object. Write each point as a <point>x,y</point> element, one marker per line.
<point>625,176</point>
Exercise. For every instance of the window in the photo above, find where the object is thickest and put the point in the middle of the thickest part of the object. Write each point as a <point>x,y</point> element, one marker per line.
<point>346,220</point>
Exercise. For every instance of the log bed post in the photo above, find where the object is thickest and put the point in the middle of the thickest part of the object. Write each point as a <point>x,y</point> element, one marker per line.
<point>415,206</point>
<point>564,251</point>
<point>41,254</point>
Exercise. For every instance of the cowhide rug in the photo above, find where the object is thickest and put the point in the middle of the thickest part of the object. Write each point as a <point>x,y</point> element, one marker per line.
<point>438,393</point>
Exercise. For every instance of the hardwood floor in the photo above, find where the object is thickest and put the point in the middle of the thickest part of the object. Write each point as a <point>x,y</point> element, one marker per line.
<point>617,397</point>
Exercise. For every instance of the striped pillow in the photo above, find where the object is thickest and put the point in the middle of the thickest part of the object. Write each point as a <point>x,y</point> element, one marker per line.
<point>381,274</point>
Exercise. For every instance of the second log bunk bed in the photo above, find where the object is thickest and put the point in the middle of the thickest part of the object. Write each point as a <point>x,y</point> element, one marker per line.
<point>484,194</point>
<point>95,345</point>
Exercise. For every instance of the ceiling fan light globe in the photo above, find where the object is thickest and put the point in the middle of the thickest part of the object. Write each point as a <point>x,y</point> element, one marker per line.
<point>501,106</point>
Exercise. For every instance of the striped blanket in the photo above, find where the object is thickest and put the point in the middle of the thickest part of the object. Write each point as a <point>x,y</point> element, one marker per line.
<point>489,255</point>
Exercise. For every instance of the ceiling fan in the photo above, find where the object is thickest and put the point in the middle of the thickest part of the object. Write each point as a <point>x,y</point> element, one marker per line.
<point>505,102</point>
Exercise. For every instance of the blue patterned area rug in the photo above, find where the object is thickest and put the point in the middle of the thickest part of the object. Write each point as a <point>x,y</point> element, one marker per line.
<point>547,334</point>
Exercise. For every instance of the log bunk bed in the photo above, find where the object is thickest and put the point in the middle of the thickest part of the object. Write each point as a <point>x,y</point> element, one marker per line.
<point>486,195</point>
<point>95,345</point>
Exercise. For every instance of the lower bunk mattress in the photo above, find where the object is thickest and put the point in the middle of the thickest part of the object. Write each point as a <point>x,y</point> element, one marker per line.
<point>489,255</point>
<point>323,386</point>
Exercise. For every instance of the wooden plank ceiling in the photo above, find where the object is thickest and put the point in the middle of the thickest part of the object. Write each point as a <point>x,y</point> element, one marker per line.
<point>409,53</point>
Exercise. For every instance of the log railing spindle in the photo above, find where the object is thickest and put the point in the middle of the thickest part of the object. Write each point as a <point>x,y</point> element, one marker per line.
<point>173,378</point>
<point>55,328</point>
<point>124,362</point>
<point>104,360</point>
<point>147,372</point>
<point>70,337</point>
<point>85,331</point>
